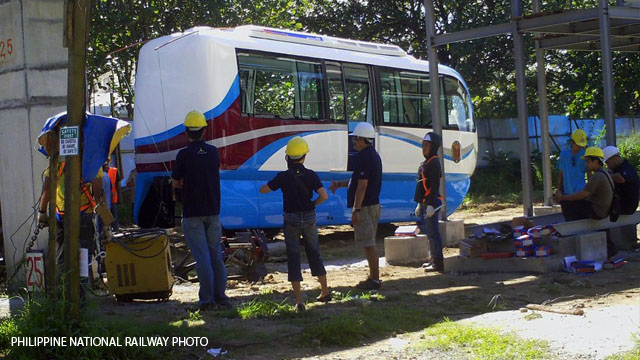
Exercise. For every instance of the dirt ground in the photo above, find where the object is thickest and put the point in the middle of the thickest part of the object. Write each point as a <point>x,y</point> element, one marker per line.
<point>456,296</point>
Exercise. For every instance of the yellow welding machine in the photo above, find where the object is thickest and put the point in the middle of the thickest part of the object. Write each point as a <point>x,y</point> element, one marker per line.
<point>139,266</point>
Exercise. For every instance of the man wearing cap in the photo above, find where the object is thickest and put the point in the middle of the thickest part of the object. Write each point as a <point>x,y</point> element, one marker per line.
<point>594,201</point>
<point>197,172</point>
<point>427,195</point>
<point>363,196</point>
<point>625,177</point>
<point>571,166</point>
<point>298,185</point>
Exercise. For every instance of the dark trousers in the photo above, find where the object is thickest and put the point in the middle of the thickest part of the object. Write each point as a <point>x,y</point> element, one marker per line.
<point>431,228</point>
<point>578,210</point>
<point>300,228</point>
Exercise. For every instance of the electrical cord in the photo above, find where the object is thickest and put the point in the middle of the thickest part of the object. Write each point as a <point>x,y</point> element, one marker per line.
<point>152,241</point>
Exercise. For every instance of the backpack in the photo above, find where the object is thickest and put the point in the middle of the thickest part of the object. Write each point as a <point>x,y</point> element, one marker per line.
<point>614,208</point>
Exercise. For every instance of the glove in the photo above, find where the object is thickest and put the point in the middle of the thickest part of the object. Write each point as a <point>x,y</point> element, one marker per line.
<point>430,211</point>
<point>417,211</point>
<point>43,218</point>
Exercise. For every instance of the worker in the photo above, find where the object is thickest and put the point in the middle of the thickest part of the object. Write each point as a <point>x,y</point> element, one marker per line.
<point>298,184</point>
<point>594,200</point>
<point>571,166</point>
<point>90,195</point>
<point>429,201</point>
<point>111,190</point>
<point>625,178</point>
<point>197,173</point>
<point>363,197</point>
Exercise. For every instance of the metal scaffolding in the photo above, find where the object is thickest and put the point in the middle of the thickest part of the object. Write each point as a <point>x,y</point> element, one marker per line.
<point>604,28</point>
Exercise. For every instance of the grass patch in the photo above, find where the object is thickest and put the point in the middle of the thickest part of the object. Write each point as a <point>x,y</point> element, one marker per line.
<point>481,343</point>
<point>633,354</point>
<point>261,307</point>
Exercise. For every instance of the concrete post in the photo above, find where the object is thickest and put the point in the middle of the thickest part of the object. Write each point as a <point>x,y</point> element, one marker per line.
<point>521,87</point>
<point>33,73</point>
<point>544,118</point>
<point>607,72</point>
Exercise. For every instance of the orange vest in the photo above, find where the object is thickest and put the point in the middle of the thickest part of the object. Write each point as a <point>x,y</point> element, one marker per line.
<point>113,172</point>
<point>85,190</point>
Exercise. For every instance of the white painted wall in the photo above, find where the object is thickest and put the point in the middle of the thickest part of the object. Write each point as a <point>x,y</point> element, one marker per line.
<point>33,87</point>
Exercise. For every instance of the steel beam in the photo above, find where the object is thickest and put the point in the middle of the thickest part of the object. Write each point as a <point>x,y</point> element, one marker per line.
<point>626,12</point>
<point>544,118</point>
<point>540,24</point>
<point>523,128</point>
<point>479,33</point>
<point>434,82</point>
<point>607,71</point>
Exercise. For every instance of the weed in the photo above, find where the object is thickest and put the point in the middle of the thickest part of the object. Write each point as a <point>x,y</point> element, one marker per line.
<point>481,343</point>
<point>261,307</point>
<point>195,315</point>
<point>633,354</point>
<point>344,330</point>
<point>630,149</point>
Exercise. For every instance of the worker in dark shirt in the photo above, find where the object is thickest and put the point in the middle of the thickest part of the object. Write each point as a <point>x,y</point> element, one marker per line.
<point>197,172</point>
<point>363,196</point>
<point>428,198</point>
<point>298,184</point>
<point>625,177</point>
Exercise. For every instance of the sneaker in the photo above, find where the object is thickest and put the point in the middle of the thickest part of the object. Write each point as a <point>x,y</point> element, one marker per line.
<point>369,284</point>
<point>436,265</point>
<point>300,308</point>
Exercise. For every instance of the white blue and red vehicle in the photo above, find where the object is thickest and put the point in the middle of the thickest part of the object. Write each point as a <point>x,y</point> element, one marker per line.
<point>258,87</point>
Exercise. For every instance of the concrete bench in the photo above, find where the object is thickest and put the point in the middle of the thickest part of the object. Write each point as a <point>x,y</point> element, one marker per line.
<point>587,239</point>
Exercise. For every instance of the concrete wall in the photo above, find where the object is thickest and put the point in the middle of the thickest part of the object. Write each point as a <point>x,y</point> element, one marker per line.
<point>33,87</point>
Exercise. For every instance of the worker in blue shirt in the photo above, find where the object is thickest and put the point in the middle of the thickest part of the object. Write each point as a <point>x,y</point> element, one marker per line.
<point>363,197</point>
<point>197,172</point>
<point>572,167</point>
<point>298,184</point>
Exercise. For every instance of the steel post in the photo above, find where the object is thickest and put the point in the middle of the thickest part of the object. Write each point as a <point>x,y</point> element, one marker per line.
<point>521,88</point>
<point>607,72</point>
<point>434,82</point>
<point>544,117</point>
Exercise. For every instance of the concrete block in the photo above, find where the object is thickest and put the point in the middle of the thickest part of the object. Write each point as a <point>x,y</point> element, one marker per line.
<point>13,87</point>
<point>43,37</point>
<point>546,210</point>
<point>623,237</point>
<point>514,264</point>
<point>406,250</point>
<point>589,246</point>
<point>48,83</point>
<point>11,28</point>
<point>453,231</point>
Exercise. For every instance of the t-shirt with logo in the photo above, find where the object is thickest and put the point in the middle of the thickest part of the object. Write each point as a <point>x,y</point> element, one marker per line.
<point>367,165</point>
<point>198,165</point>
<point>298,184</point>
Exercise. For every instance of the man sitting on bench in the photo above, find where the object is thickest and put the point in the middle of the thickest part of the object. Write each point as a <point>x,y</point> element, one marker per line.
<point>625,177</point>
<point>594,201</point>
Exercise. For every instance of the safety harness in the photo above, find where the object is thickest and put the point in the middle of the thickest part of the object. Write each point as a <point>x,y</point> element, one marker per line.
<point>85,191</point>
<point>423,179</point>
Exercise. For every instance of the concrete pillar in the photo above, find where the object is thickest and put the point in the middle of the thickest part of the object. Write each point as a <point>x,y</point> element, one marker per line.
<point>33,74</point>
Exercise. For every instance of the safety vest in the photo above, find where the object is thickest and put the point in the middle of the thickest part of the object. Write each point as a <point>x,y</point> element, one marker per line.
<point>113,173</point>
<point>423,179</point>
<point>85,190</point>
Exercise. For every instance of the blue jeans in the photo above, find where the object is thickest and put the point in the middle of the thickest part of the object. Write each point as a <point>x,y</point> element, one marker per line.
<point>203,235</point>
<point>430,228</point>
<point>296,225</point>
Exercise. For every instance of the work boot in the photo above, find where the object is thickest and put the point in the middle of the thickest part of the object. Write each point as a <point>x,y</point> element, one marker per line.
<point>436,265</point>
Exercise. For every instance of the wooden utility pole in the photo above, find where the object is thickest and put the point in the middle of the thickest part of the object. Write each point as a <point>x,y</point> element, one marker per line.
<point>76,30</point>
<point>52,259</point>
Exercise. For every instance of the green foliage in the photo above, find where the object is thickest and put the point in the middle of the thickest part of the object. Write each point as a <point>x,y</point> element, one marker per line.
<point>344,330</point>
<point>630,150</point>
<point>262,307</point>
<point>41,316</point>
<point>481,343</point>
<point>633,354</point>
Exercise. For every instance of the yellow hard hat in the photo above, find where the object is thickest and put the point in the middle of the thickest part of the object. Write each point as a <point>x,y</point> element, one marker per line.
<point>195,120</point>
<point>579,137</point>
<point>297,147</point>
<point>593,151</point>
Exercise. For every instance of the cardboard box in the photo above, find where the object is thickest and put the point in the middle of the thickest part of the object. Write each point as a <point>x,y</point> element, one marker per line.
<point>472,247</point>
<point>521,221</point>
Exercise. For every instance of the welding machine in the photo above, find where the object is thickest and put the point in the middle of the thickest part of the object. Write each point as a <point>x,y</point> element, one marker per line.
<point>139,265</point>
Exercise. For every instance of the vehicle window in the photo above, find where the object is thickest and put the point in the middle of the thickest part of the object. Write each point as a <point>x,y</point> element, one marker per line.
<point>277,86</point>
<point>405,98</point>
<point>336,91</point>
<point>358,92</point>
<point>457,106</point>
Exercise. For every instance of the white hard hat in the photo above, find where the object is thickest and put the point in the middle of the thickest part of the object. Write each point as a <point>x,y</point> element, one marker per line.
<point>364,130</point>
<point>610,151</point>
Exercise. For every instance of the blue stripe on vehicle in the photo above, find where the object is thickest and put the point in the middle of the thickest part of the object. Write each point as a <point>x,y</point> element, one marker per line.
<point>224,105</point>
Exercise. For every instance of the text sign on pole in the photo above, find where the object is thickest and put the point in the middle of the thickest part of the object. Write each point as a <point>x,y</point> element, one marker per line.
<point>69,140</point>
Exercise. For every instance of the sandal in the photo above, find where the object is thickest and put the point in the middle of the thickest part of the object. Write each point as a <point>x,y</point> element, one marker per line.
<point>324,299</point>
